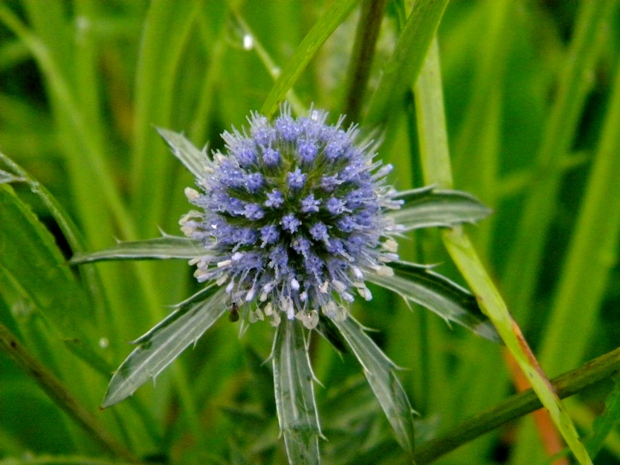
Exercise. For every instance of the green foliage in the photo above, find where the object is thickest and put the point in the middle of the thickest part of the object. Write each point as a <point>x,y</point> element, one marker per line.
<point>531,97</point>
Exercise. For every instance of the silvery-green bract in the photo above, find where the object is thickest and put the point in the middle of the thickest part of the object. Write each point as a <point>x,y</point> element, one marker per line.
<point>292,217</point>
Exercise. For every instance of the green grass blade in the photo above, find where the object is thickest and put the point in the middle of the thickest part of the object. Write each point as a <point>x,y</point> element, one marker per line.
<point>466,259</point>
<point>429,207</point>
<point>270,65</point>
<point>416,283</point>
<point>160,248</point>
<point>167,29</point>
<point>379,371</point>
<point>583,378</point>
<point>407,59</point>
<point>68,111</point>
<point>37,265</point>
<point>59,393</point>
<point>336,12</point>
<point>592,254</point>
<point>162,344</point>
<point>294,391</point>
<point>540,205</point>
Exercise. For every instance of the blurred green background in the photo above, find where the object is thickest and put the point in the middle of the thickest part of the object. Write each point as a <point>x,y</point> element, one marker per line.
<point>528,88</point>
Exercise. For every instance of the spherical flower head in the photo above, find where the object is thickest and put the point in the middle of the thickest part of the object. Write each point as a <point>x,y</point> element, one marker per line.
<point>293,217</point>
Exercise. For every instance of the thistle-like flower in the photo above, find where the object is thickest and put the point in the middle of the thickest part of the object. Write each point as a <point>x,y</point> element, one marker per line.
<point>292,219</point>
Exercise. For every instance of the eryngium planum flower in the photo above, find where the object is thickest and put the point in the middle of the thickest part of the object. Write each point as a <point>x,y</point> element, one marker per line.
<point>292,218</point>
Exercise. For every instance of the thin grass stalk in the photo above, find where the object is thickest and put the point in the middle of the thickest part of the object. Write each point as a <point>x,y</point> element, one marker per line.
<point>592,254</point>
<point>360,64</point>
<point>433,145</point>
<point>406,60</point>
<point>575,80</point>
<point>476,161</point>
<point>333,16</point>
<point>167,28</point>
<point>518,405</point>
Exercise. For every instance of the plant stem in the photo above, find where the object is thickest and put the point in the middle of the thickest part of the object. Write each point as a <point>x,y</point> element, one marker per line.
<point>437,170</point>
<point>566,385</point>
<point>360,63</point>
<point>61,395</point>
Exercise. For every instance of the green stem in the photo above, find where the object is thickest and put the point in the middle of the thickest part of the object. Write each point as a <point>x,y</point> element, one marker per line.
<point>566,385</point>
<point>360,63</point>
<point>437,170</point>
<point>405,63</point>
<point>61,395</point>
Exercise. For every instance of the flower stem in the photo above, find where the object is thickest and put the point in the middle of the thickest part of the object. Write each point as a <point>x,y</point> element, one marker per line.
<point>566,385</point>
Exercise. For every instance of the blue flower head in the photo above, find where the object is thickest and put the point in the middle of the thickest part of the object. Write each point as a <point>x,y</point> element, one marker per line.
<point>292,217</point>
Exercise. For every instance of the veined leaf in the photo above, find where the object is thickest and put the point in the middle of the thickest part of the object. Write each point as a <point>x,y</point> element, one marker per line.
<point>379,371</point>
<point>194,160</point>
<point>416,283</point>
<point>162,344</point>
<point>429,207</point>
<point>160,248</point>
<point>295,403</point>
<point>32,258</point>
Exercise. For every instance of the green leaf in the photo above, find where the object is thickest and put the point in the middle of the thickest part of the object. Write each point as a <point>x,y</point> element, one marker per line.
<point>160,248</point>
<point>335,14</point>
<point>429,207</point>
<point>330,333</point>
<point>194,160</point>
<point>379,371</point>
<point>406,62</point>
<point>162,344</point>
<point>604,424</point>
<point>31,256</point>
<point>416,283</point>
<point>294,391</point>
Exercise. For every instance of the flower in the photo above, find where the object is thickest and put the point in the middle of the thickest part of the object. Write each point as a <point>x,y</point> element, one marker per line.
<point>292,218</point>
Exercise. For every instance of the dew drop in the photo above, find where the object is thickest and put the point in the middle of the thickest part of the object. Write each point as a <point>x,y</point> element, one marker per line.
<point>248,42</point>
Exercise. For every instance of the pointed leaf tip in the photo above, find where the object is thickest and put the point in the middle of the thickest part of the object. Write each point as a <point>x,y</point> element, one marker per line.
<point>428,207</point>
<point>194,160</point>
<point>159,248</point>
<point>162,345</point>
<point>416,283</point>
<point>379,371</point>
